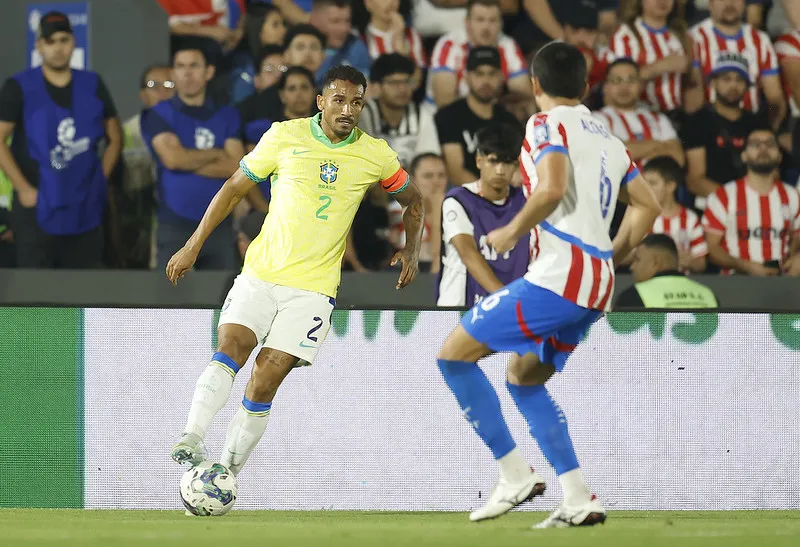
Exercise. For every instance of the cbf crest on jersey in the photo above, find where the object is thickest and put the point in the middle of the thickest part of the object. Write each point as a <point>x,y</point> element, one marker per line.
<point>328,172</point>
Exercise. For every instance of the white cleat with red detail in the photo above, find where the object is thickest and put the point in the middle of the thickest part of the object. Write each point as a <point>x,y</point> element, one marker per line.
<point>505,496</point>
<point>588,514</point>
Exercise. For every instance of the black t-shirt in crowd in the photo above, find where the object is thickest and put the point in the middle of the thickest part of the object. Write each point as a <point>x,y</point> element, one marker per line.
<point>456,123</point>
<point>11,110</point>
<point>722,139</point>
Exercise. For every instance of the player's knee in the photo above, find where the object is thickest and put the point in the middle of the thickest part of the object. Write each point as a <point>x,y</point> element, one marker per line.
<point>527,370</point>
<point>236,343</point>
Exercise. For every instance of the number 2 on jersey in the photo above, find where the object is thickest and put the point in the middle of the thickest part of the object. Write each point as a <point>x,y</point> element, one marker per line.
<point>326,202</point>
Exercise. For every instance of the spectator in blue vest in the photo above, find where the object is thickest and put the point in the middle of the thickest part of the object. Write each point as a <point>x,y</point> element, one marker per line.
<point>60,120</point>
<point>471,268</point>
<point>334,19</point>
<point>198,146</point>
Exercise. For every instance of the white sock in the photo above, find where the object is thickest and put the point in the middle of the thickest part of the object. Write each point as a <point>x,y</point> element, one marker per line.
<point>576,492</point>
<point>210,395</point>
<point>244,432</point>
<point>513,467</point>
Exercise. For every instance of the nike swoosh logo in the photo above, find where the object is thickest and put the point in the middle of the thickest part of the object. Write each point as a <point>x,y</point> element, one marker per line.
<point>304,345</point>
<point>296,152</point>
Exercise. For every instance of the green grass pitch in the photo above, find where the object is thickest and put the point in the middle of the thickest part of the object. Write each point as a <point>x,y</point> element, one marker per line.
<point>85,528</point>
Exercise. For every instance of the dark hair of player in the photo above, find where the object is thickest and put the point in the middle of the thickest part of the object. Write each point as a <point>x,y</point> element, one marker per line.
<point>301,70</point>
<point>303,29</point>
<point>143,79</point>
<point>623,61</point>
<point>420,158</point>
<point>561,70</point>
<point>661,242</point>
<point>485,3</point>
<point>669,169</point>
<point>501,140</point>
<point>266,51</point>
<point>346,73</point>
<point>391,63</point>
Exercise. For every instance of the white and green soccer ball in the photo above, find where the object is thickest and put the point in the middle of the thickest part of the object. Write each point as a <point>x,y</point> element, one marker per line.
<point>208,490</point>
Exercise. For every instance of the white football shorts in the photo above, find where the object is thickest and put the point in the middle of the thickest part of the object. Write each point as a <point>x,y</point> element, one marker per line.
<point>290,320</point>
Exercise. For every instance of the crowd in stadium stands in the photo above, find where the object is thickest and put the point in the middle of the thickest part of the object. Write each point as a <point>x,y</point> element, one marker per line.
<point>704,93</point>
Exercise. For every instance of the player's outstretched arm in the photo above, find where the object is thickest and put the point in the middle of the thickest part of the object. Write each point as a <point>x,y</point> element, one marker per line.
<point>553,170</point>
<point>231,193</point>
<point>413,221</point>
<point>643,209</point>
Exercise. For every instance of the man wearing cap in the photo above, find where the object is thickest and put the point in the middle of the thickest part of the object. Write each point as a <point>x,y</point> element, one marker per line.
<point>724,32</point>
<point>458,124</point>
<point>197,145</point>
<point>66,142</point>
<point>715,136</point>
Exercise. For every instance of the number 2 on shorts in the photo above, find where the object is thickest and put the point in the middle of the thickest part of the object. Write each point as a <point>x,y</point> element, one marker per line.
<point>326,202</point>
<point>314,329</point>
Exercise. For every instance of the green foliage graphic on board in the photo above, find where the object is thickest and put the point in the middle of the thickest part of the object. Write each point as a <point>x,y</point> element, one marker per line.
<point>696,329</point>
<point>403,321</point>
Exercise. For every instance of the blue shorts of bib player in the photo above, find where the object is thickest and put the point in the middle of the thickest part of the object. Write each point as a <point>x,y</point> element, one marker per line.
<point>525,318</point>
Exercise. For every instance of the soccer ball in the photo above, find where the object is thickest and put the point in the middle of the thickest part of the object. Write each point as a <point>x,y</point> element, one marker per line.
<point>208,489</point>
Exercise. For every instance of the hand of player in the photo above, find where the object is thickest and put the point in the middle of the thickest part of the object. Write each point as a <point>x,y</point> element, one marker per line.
<point>684,258</point>
<point>180,263</point>
<point>410,259</point>
<point>502,239</point>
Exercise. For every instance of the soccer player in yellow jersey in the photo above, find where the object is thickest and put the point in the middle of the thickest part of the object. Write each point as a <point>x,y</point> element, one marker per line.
<point>282,301</point>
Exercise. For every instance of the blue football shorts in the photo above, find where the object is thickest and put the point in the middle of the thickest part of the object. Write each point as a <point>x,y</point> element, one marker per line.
<point>525,318</point>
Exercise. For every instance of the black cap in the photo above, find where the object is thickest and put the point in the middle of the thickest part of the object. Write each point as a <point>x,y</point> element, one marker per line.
<point>483,55</point>
<point>52,22</point>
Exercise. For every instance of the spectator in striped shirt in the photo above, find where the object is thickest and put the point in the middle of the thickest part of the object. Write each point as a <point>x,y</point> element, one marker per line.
<point>387,33</point>
<point>646,133</point>
<point>724,32</point>
<point>752,224</point>
<point>681,224</point>
<point>482,27</point>
<point>653,33</point>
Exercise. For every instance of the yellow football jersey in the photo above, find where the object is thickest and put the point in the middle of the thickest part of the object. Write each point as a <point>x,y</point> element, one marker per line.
<point>317,187</point>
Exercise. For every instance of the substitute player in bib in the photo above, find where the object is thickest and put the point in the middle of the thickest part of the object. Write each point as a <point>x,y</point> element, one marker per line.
<point>320,169</point>
<point>573,171</point>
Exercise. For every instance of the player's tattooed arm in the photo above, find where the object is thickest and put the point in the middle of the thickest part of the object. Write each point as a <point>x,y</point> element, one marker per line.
<point>413,221</point>
<point>231,193</point>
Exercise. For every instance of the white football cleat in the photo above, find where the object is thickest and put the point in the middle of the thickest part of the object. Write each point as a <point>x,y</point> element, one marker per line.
<point>588,514</point>
<point>505,496</point>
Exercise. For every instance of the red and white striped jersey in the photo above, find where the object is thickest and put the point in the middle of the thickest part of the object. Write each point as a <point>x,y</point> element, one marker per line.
<point>754,226</point>
<point>379,42</point>
<point>450,54</point>
<point>788,47</point>
<point>646,45</point>
<point>685,230</point>
<point>752,44</point>
<point>572,252</point>
<point>641,124</point>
